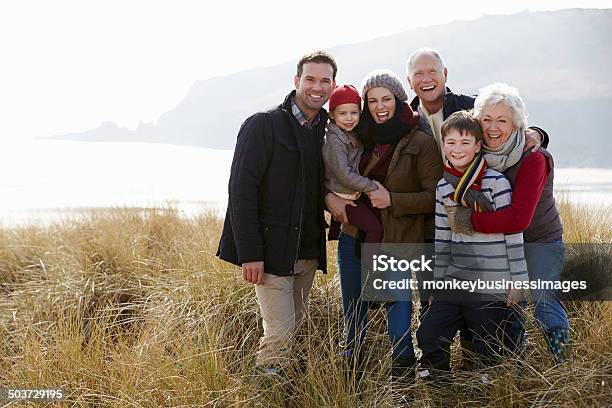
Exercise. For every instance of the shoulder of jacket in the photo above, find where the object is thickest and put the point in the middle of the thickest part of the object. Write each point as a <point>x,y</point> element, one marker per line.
<point>335,135</point>
<point>422,139</point>
<point>460,101</point>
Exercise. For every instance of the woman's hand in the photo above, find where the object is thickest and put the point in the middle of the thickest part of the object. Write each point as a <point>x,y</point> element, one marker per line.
<point>533,140</point>
<point>337,207</point>
<point>380,197</point>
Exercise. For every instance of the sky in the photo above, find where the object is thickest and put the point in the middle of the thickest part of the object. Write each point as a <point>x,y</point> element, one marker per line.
<point>70,65</point>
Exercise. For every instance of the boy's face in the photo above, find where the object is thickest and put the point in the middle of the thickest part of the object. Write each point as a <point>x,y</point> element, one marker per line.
<point>346,116</point>
<point>460,149</point>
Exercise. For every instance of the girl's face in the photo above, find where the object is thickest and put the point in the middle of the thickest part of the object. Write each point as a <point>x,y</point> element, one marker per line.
<point>346,116</point>
<point>497,124</point>
<point>381,104</point>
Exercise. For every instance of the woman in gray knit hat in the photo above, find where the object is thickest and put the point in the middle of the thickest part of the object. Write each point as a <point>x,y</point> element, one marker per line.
<point>406,165</point>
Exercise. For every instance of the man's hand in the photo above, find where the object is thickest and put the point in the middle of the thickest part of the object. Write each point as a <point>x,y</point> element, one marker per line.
<point>337,207</point>
<point>252,272</point>
<point>533,140</point>
<point>380,197</point>
<point>514,297</point>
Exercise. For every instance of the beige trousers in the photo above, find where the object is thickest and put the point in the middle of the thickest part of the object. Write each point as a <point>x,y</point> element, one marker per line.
<point>282,301</point>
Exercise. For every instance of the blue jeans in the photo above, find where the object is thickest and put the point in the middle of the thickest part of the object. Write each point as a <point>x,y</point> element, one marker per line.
<point>545,262</point>
<point>355,310</point>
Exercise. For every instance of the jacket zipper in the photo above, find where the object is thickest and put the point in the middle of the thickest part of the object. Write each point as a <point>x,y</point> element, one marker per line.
<point>297,250</point>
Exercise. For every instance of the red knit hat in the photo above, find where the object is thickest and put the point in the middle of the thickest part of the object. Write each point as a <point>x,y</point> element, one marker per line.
<point>344,94</point>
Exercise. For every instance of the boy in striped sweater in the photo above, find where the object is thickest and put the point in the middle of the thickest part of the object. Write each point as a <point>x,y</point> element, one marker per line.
<point>486,264</point>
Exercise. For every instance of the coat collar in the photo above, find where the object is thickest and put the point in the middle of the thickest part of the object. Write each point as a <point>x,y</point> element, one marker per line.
<point>286,106</point>
<point>414,104</point>
<point>334,129</point>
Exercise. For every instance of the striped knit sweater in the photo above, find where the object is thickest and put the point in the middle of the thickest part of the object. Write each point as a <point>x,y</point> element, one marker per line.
<point>488,257</point>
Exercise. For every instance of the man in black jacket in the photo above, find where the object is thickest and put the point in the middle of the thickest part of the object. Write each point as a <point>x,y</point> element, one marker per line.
<point>435,102</point>
<point>274,227</point>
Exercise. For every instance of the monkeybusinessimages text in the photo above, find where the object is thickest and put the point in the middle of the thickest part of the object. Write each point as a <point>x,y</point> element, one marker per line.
<point>387,263</point>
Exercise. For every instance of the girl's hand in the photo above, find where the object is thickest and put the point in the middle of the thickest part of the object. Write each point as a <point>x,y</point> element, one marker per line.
<point>380,197</point>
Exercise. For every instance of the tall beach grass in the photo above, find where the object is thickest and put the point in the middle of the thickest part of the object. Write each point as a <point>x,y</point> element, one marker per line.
<point>131,308</point>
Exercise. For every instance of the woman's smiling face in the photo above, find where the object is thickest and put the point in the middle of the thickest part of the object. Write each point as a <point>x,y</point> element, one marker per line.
<point>497,123</point>
<point>381,104</point>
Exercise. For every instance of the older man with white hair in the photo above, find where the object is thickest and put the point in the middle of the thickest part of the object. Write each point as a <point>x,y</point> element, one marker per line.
<point>427,76</point>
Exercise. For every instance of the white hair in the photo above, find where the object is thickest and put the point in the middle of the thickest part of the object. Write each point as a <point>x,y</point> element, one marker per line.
<point>500,92</point>
<point>424,50</point>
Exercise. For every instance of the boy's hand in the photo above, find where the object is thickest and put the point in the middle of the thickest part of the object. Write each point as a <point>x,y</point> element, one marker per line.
<point>515,296</point>
<point>252,272</point>
<point>337,207</point>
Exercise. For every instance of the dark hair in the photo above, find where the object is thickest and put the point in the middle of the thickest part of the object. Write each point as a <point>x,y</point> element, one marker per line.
<point>318,57</point>
<point>367,123</point>
<point>463,122</point>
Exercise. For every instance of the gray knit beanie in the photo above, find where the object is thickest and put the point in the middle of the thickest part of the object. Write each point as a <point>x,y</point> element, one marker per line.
<point>386,79</point>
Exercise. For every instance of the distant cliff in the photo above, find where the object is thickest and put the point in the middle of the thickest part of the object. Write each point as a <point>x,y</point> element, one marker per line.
<point>561,61</point>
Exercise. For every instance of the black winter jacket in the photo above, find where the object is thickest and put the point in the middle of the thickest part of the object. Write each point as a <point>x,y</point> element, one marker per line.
<point>266,193</point>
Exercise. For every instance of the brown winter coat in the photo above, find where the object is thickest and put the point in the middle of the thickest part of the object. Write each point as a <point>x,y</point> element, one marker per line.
<point>414,171</point>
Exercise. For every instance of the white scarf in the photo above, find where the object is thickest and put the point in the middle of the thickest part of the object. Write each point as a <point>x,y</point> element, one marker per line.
<point>507,155</point>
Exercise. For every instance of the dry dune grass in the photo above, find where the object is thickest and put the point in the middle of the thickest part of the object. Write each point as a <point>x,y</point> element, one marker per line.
<point>130,308</point>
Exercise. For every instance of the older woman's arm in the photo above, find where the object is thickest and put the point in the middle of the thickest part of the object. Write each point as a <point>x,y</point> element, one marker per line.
<point>429,169</point>
<point>526,193</point>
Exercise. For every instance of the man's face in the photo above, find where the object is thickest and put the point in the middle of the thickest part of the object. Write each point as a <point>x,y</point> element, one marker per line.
<point>314,87</point>
<point>427,78</point>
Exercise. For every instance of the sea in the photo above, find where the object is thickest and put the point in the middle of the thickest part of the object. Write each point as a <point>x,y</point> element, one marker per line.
<point>43,180</point>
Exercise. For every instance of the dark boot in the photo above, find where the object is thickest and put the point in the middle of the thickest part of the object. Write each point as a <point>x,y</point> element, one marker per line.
<point>403,369</point>
<point>558,341</point>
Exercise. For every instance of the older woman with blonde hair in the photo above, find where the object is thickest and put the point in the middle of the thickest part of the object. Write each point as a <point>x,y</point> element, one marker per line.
<point>503,116</point>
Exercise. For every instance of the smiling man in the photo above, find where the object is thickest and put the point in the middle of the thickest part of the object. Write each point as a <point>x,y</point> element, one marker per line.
<point>274,226</point>
<point>427,76</point>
